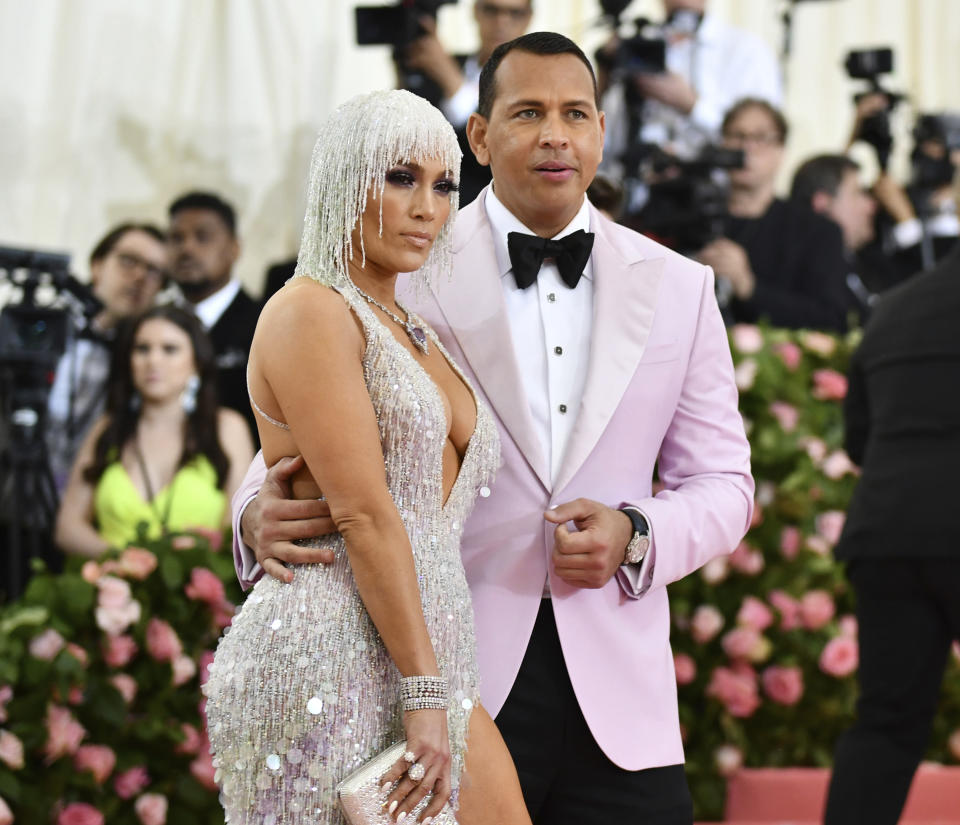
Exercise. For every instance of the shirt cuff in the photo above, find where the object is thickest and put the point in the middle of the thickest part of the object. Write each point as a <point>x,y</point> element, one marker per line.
<point>457,109</point>
<point>250,569</point>
<point>907,233</point>
<point>635,579</point>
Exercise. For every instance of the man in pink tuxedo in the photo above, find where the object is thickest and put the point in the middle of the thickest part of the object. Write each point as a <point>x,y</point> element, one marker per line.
<point>602,354</point>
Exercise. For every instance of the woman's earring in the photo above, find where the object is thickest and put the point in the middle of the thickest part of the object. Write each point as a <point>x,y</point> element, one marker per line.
<point>188,398</point>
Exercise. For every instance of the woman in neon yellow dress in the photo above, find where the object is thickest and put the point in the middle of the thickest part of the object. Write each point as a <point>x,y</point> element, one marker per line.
<point>164,457</point>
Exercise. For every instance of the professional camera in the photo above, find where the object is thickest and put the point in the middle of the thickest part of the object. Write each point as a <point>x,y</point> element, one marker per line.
<point>399,26</point>
<point>869,64</point>
<point>687,205</point>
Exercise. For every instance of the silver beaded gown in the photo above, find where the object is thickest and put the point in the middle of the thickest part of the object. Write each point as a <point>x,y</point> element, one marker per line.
<point>302,690</point>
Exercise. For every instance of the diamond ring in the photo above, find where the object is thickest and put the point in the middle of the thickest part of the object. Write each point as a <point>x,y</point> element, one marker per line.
<point>416,771</point>
<point>410,757</point>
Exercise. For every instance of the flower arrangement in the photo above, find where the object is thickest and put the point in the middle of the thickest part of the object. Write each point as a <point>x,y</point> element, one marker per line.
<point>765,641</point>
<point>100,673</point>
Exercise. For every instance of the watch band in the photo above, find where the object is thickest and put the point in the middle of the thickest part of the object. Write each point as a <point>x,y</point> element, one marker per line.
<point>639,542</point>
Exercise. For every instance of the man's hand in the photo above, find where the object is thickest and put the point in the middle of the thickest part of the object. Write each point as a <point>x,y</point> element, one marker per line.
<point>729,260</point>
<point>273,520</point>
<point>669,88</point>
<point>893,199</point>
<point>427,54</point>
<point>591,555</point>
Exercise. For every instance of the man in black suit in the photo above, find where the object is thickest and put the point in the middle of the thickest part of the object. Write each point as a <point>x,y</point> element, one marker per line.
<point>203,248</point>
<point>901,540</point>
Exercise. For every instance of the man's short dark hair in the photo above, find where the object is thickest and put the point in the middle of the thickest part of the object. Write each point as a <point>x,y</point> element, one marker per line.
<point>779,121</point>
<point>106,244</point>
<point>541,43</point>
<point>822,173</point>
<point>208,201</point>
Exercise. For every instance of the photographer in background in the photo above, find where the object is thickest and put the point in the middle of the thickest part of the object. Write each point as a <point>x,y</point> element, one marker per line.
<point>458,76</point>
<point>777,261</point>
<point>128,266</point>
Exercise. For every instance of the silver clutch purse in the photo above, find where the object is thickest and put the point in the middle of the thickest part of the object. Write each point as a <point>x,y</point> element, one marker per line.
<point>360,796</point>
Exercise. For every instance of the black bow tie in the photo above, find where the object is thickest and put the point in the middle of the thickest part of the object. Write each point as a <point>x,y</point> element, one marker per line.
<point>527,252</point>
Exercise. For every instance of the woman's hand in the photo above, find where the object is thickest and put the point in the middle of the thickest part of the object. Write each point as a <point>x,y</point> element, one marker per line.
<point>429,742</point>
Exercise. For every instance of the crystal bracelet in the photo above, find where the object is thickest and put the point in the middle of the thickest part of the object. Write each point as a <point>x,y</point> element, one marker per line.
<point>423,692</point>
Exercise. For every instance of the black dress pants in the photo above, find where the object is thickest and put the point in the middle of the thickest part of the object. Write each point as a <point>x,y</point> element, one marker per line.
<point>908,614</point>
<point>565,777</point>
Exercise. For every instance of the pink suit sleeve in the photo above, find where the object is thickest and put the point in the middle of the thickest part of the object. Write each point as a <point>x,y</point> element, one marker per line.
<point>244,560</point>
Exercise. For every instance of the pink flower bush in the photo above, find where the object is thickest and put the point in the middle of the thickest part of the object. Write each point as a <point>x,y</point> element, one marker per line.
<point>206,659</point>
<point>98,759</point>
<point>848,626</point>
<point>706,623</point>
<point>46,645</point>
<point>163,644</point>
<point>184,542</point>
<point>747,338</point>
<point>786,414</point>
<point>80,813</point>
<point>840,657</point>
<point>119,650</point>
<point>184,669</point>
<point>6,694</point>
<point>830,525</point>
<point>747,645</point>
<point>788,608</point>
<point>954,744</point>
<point>837,465</point>
<point>745,374</point>
<point>790,354</point>
<point>783,685</point>
<point>790,539</point>
<point>126,686</point>
<point>192,740</point>
<point>151,809</point>
<point>728,759</point>
<point>715,570</point>
<point>685,668</point>
<point>736,688</point>
<point>205,586</point>
<point>817,608</point>
<point>129,783</point>
<point>6,815</point>
<point>137,563</point>
<point>116,608</point>
<point>11,750</point>
<point>815,447</point>
<point>64,733</point>
<point>829,385</point>
<point>202,768</point>
<point>755,614</point>
<point>820,343</point>
<point>747,560</point>
<point>214,537</point>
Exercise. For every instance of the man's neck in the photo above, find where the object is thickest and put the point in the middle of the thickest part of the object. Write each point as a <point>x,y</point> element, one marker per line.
<point>209,289</point>
<point>750,203</point>
<point>544,224</point>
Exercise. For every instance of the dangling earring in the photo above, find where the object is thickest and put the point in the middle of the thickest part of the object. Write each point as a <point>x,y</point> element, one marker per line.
<point>135,402</point>
<point>188,398</point>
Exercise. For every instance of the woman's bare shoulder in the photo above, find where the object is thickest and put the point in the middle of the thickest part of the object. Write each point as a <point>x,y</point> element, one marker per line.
<point>305,308</point>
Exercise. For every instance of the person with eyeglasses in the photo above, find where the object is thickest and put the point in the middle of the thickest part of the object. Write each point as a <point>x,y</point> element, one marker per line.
<point>778,261</point>
<point>458,76</point>
<point>128,267</point>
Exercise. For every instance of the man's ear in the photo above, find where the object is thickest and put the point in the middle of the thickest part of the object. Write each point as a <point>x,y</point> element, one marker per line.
<point>477,136</point>
<point>820,202</point>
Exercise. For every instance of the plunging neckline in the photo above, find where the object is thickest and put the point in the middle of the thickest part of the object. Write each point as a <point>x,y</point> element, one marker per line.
<point>467,453</point>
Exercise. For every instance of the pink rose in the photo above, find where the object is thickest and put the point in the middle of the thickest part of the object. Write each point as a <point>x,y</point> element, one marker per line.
<point>786,414</point>
<point>954,744</point>
<point>790,354</point>
<point>223,615</point>
<point>840,657</point>
<point>728,759</point>
<point>77,652</point>
<point>80,813</point>
<point>830,525</point>
<point>184,669</point>
<point>837,465</point>
<point>816,609</point>
<point>715,570</point>
<point>192,740</point>
<point>46,645</point>
<point>116,608</point>
<point>745,374</point>
<point>214,537</point>
<point>783,685</point>
<point>6,694</point>
<point>736,688</point>
<point>788,608</point>
<point>829,385</point>
<point>205,586</point>
<point>11,750</point>
<point>755,614</point>
<point>112,592</point>
<point>203,771</point>
<point>90,572</point>
<point>848,626</point>
<point>747,560</point>
<point>137,563</point>
<point>790,542</point>
<point>746,644</point>
<point>206,659</point>
<point>126,686</point>
<point>820,343</point>
<point>747,338</point>
<point>151,809</point>
<point>815,447</point>
<point>817,544</point>
<point>75,696</point>
<point>6,815</point>
<point>685,668</point>
<point>119,650</point>
<point>98,759</point>
<point>64,733</point>
<point>129,783</point>
<point>183,543</point>
<point>163,644</point>
<point>706,623</point>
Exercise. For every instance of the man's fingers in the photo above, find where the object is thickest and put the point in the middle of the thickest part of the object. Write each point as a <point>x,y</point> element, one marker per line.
<point>273,568</point>
<point>574,510</point>
<point>290,509</point>
<point>284,469</point>
<point>284,551</point>
<point>289,530</point>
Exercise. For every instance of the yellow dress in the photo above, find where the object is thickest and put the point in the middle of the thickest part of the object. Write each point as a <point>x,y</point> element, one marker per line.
<point>191,499</point>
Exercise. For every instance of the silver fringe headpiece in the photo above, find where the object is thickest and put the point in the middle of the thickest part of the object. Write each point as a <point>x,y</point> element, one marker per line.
<point>356,147</point>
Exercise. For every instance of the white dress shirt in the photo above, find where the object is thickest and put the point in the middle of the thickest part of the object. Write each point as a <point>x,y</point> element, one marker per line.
<point>458,108</point>
<point>211,308</point>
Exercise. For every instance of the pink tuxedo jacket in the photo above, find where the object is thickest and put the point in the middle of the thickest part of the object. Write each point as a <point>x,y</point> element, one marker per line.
<point>659,388</point>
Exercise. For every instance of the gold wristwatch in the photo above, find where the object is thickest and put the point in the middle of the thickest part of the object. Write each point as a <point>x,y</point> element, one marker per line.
<point>640,540</point>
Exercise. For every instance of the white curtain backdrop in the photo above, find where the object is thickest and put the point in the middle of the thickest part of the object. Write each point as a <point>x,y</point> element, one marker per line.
<point>111,108</point>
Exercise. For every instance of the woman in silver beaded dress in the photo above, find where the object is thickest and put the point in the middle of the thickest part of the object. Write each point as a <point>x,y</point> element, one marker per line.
<point>316,677</point>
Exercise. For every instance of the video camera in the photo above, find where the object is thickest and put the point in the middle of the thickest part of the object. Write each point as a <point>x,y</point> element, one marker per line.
<point>869,64</point>
<point>934,169</point>
<point>399,26</point>
<point>687,206</point>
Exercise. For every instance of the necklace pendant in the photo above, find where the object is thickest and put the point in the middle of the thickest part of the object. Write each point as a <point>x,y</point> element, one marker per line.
<point>419,338</point>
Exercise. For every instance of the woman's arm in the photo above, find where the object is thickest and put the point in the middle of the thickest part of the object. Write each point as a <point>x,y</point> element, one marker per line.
<point>233,433</point>
<point>309,348</point>
<point>74,532</point>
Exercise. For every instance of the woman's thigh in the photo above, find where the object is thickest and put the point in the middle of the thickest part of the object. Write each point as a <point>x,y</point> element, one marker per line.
<point>489,789</point>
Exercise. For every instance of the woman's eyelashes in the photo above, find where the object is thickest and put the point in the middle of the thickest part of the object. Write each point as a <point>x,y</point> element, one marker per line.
<point>446,186</point>
<point>407,178</point>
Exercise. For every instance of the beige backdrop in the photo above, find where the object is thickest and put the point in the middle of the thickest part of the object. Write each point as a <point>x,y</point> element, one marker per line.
<point>110,108</point>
